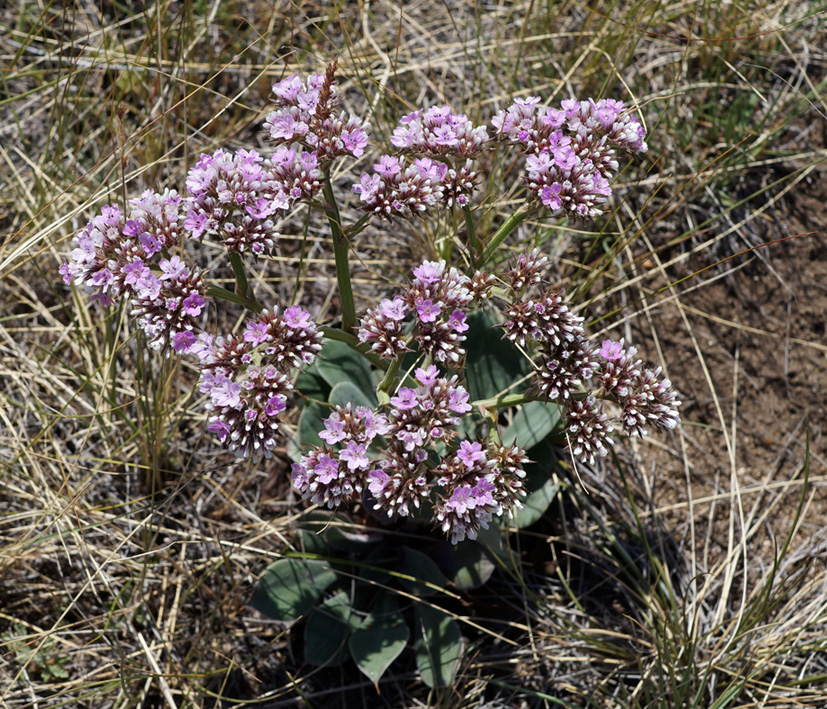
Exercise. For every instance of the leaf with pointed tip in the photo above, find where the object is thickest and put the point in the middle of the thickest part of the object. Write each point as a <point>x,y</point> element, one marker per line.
<point>375,568</point>
<point>337,362</point>
<point>420,568</point>
<point>493,364</point>
<point>531,425</point>
<point>311,387</point>
<point>465,564</point>
<point>347,392</point>
<point>290,587</point>
<point>541,491</point>
<point>311,422</point>
<point>380,639</point>
<point>438,645</point>
<point>327,631</point>
<point>335,530</point>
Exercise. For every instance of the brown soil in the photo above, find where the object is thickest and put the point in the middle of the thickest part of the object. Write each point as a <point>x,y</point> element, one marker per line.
<point>745,343</point>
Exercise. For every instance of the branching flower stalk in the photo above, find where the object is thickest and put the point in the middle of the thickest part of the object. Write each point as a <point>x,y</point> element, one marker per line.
<point>406,454</point>
<point>341,253</point>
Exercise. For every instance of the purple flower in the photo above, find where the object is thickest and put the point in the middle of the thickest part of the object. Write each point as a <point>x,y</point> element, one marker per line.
<point>375,424</point>
<point>204,347</point>
<point>462,499</point>
<point>457,321</point>
<point>334,429</point>
<point>173,269</point>
<point>368,187</point>
<point>220,428</point>
<point>483,492</point>
<point>150,244</point>
<point>611,350</point>
<point>65,270</point>
<point>298,475</point>
<point>132,228</point>
<point>261,208</point>
<point>550,196</point>
<point>458,401</point>
<point>405,399</point>
<point>196,224</point>
<point>288,89</point>
<point>193,304</point>
<point>182,342</point>
<point>148,287</point>
<point>134,271</point>
<point>354,455</point>
<point>395,309</point>
<point>227,393</point>
<point>429,272</point>
<point>275,405</point>
<point>306,113</point>
<point>102,278</point>
<point>355,141</point>
<point>388,166</point>
<point>470,453</point>
<point>427,377</point>
<point>256,333</point>
<point>297,318</point>
<point>327,469</point>
<point>428,311</point>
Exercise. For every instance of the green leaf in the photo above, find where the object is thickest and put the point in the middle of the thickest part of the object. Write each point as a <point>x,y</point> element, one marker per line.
<point>493,364</point>
<point>465,564</point>
<point>531,424</point>
<point>327,631</point>
<point>420,567</point>
<point>375,569</point>
<point>347,392</point>
<point>290,587</point>
<point>310,386</point>
<point>438,645</point>
<point>541,491</point>
<point>311,422</point>
<point>494,541</point>
<point>380,639</point>
<point>323,529</point>
<point>337,362</point>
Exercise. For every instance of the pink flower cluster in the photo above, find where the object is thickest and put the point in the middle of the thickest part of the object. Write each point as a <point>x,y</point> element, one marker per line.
<point>305,115</point>
<point>437,300</point>
<point>437,131</point>
<point>469,486</point>
<point>247,377</point>
<point>399,189</point>
<point>567,364</point>
<point>644,397</point>
<point>233,197</point>
<point>116,257</point>
<point>571,151</point>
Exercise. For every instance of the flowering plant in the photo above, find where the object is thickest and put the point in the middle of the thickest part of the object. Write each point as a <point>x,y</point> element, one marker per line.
<point>421,432</point>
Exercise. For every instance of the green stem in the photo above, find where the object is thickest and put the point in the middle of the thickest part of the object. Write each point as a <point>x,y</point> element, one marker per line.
<point>228,295</point>
<point>358,225</point>
<point>505,401</point>
<point>341,249</point>
<point>500,235</point>
<point>352,341</point>
<point>242,285</point>
<point>388,380</point>
<point>473,241</point>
